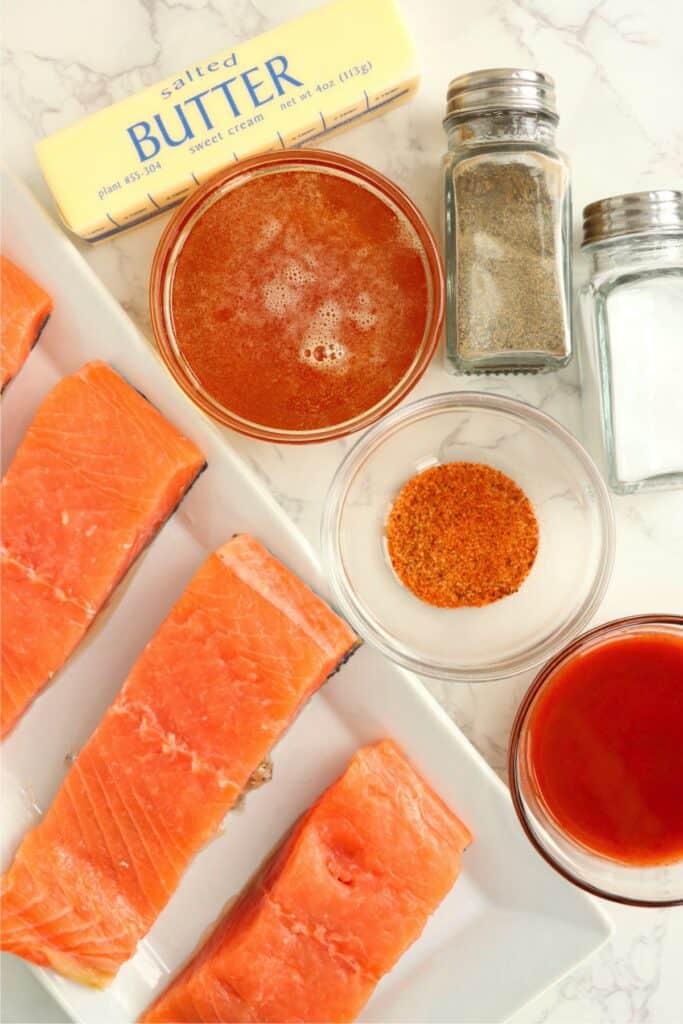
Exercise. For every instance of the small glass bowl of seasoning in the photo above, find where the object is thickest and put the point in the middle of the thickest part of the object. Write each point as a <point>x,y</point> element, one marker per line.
<point>596,761</point>
<point>297,296</point>
<point>468,536</point>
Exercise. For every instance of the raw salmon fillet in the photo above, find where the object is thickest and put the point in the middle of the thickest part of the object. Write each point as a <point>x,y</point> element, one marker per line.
<point>348,892</point>
<point>96,475</point>
<point>24,309</point>
<point>244,647</point>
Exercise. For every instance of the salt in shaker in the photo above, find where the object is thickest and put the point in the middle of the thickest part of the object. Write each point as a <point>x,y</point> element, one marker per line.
<point>632,315</point>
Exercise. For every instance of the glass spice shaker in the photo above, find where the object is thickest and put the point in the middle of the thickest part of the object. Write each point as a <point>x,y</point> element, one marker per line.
<point>508,225</point>
<point>632,317</point>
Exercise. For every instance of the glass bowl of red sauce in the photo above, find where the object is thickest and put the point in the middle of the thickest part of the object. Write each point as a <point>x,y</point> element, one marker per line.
<point>596,761</point>
<point>298,296</point>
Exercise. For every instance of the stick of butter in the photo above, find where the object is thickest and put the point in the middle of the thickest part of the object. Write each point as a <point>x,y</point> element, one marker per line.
<point>290,87</point>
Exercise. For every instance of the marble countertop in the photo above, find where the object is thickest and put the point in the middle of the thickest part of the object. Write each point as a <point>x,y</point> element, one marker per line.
<point>618,69</point>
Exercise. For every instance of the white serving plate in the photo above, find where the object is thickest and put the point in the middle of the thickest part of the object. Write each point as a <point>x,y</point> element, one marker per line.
<point>510,926</point>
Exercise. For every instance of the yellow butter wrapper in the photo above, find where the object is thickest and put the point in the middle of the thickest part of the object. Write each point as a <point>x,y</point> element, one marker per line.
<point>292,86</point>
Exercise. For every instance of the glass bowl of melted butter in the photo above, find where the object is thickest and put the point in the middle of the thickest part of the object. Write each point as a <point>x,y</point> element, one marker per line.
<point>297,297</point>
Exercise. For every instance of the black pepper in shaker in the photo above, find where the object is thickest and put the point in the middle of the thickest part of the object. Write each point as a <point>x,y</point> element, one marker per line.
<point>508,225</point>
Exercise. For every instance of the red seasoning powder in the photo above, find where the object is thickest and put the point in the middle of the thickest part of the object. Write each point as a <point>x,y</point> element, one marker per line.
<point>462,534</point>
<point>300,299</point>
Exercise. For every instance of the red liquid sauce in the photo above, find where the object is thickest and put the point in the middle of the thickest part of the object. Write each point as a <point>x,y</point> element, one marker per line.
<point>300,299</point>
<point>606,748</point>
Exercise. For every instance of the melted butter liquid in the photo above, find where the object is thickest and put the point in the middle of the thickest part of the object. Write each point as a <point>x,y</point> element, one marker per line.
<point>300,299</point>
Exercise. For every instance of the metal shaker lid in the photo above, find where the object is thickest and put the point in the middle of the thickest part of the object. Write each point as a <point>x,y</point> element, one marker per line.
<point>501,89</point>
<point>658,212</point>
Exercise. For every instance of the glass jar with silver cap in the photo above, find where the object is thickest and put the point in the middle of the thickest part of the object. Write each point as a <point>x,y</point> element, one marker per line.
<point>507,225</point>
<point>632,357</point>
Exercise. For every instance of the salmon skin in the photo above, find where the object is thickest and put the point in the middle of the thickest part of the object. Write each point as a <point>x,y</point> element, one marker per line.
<point>24,311</point>
<point>242,650</point>
<point>96,475</point>
<point>348,892</point>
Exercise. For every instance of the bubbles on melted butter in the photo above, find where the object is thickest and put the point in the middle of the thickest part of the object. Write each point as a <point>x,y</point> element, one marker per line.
<point>297,275</point>
<point>283,292</point>
<point>407,236</point>
<point>326,318</point>
<point>362,313</point>
<point>331,355</point>
<point>321,347</point>
<point>278,299</point>
<point>320,337</point>
<point>270,229</point>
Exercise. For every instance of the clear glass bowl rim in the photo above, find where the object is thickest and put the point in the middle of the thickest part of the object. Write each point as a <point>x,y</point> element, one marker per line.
<point>614,627</point>
<point>162,265</point>
<point>370,440</point>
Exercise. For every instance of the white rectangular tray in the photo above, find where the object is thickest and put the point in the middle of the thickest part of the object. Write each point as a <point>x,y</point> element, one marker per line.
<point>509,927</point>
